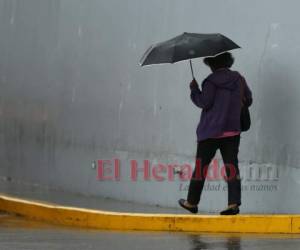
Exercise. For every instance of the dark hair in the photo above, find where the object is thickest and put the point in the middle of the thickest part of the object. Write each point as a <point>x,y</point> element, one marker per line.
<point>224,60</point>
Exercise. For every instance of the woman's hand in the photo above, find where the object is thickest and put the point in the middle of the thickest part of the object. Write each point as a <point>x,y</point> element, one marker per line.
<point>194,84</point>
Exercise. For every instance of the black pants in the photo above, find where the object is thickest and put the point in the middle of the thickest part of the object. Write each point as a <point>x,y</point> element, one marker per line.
<point>206,150</point>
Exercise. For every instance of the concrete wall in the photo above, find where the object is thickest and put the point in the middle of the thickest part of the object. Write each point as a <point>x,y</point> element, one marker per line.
<point>71,92</point>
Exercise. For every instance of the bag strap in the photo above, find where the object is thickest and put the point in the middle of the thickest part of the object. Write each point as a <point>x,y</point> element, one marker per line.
<point>242,91</point>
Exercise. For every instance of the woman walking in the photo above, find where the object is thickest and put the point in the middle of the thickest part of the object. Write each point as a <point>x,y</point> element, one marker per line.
<point>223,94</point>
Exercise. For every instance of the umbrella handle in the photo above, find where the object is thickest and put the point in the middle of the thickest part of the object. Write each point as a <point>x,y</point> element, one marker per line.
<point>191,66</point>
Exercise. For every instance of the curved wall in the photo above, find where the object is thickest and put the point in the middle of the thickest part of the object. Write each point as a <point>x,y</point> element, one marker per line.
<point>71,92</point>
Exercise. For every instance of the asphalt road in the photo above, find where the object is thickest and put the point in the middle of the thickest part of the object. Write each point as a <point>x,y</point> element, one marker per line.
<point>17,233</point>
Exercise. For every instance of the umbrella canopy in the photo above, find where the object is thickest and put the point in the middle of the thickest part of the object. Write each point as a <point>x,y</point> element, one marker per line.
<point>187,46</point>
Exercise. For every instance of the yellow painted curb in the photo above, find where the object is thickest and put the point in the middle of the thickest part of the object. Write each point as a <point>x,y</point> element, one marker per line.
<point>88,218</point>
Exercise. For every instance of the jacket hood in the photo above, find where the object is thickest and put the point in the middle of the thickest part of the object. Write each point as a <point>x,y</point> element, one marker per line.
<point>224,78</point>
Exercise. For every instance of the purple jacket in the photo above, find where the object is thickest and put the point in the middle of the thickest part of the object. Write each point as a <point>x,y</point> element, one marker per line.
<point>220,101</point>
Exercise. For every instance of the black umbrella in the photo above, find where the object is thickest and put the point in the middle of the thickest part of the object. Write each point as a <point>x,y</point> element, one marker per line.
<point>187,46</point>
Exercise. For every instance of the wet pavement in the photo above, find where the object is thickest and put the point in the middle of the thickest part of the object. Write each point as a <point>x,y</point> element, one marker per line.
<point>17,233</point>
<point>40,193</point>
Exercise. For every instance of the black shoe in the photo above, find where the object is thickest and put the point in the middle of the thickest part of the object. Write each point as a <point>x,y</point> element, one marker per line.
<point>231,211</point>
<point>193,210</point>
